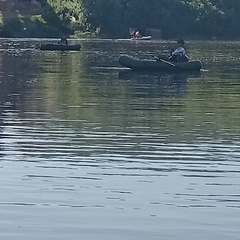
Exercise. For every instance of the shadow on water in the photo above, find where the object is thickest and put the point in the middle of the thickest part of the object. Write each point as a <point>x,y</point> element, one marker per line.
<point>159,84</point>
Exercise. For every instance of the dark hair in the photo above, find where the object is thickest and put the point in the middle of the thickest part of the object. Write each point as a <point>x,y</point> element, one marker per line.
<point>181,41</point>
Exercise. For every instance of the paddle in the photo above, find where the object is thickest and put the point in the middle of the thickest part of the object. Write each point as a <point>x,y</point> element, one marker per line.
<point>132,31</point>
<point>169,63</point>
<point>165,61</point>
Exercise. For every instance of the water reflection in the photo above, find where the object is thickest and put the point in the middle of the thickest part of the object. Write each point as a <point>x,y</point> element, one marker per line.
<point>87,148</point>
<point>159,84</point>
<point>1,130</point>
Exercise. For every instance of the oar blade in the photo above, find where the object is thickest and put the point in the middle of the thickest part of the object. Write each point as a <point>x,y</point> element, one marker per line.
<point>132,31</point>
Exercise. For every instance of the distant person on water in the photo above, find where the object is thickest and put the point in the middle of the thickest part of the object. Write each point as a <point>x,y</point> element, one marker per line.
<point>64,41</point>
<point>137,34</point>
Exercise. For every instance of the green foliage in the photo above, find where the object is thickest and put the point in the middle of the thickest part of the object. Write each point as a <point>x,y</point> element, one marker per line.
<point>71,13</point>
<point>113,18</point>
<point>34,26</point>
<point>202,18</point>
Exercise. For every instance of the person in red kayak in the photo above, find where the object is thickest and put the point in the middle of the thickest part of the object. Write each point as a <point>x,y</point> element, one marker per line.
<point>137,34</point>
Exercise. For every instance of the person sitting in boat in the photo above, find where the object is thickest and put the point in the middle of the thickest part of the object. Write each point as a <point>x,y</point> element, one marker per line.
<point>64,41</point>
<point>137,34</point>
<point>179,54</point>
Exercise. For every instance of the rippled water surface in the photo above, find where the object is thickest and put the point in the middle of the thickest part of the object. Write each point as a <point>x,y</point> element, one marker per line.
<point>90,150</point>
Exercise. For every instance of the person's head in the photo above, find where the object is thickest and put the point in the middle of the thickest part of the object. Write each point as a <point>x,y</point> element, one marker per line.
<point>137,34</point>
<point>180,42</point>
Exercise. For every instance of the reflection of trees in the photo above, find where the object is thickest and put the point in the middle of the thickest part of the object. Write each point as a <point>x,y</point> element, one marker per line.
<point>92,97</point>
<point>17,70</point>
<point>61,76</point>
<point>157,84</point>
<point>1,129</point>
<point>18,74</point>
<point>78,87</point>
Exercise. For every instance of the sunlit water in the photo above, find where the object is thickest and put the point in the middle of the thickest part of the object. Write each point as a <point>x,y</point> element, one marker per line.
<point>90,150</point>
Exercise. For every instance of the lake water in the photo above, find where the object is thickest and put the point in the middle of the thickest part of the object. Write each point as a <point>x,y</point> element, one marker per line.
<point>90,150</point>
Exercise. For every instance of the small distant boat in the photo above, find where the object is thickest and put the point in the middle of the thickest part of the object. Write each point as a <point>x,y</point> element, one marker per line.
<point>158,65</point>
<point>59,47</point>
<point>142,38</point>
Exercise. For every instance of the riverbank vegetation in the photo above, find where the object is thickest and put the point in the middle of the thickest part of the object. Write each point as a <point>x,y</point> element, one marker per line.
<point>211,19</point>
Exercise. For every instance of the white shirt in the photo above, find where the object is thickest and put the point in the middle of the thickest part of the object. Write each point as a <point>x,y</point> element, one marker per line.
<point>179,52</point>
